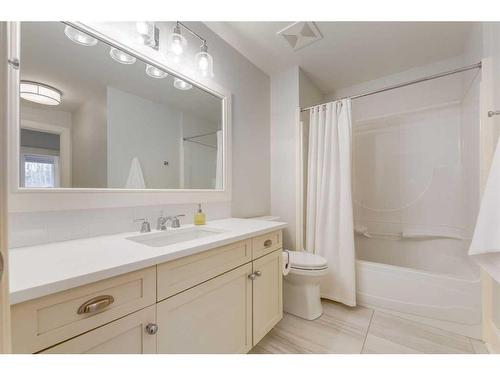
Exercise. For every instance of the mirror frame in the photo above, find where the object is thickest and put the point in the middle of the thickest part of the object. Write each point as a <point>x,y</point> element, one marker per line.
<point>55,199</point>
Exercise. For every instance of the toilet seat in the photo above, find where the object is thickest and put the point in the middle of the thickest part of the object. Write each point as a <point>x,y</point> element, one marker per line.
<point>302,260</point>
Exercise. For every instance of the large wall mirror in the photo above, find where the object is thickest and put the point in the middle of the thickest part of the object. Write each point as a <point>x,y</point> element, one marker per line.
<point>95,116</point>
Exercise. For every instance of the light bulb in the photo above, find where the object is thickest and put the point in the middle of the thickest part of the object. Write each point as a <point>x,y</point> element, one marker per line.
<point>143,27</point>
<point>204,62</point>
<point>121,56</point>
<point>182,85</point>
<point>79,37</point>
<point>176,44</point>
<point>154,72</point>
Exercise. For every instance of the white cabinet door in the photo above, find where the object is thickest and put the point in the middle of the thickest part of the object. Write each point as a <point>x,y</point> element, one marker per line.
<point>127,335</point>
<point>267,294</point>
<point>213,317</point>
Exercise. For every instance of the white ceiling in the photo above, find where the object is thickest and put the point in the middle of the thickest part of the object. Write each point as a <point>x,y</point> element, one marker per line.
<point>80,72</point>
<point>350,52</point>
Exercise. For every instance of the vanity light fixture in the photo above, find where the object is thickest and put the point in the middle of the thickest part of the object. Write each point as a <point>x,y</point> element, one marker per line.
<point>154,72</point>
<point>121,56</point>
<point>182,85</point>
<point>176,43</point>
<point>149,34</point>
<point>40,93</point>
<point>204,61</point>
<point>79,37</point>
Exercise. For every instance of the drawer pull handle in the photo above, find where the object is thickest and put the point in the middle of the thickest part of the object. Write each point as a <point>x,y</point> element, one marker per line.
<point>95,304</point>
<point>268,243</point>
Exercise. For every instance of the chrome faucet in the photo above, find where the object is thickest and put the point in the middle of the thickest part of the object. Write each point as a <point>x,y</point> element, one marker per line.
<point>163,221</point>
<point>176,222</point>
<point>145,226</point>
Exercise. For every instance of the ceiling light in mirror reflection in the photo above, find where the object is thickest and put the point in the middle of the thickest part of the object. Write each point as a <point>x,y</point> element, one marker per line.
<point>40,93</point>
<point>155,72</point>
<point>79,37</point>
<point>121,56</point>
<point>182,85</point>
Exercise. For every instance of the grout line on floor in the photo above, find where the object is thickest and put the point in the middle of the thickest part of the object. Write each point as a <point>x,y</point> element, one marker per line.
<point>396,316</point>
<point>367,330</point>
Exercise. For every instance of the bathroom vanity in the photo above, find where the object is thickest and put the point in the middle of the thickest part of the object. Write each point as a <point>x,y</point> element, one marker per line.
<point>212,293</point>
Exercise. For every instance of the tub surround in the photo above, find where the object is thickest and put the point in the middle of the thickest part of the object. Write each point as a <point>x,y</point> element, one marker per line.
<point>41,270</point>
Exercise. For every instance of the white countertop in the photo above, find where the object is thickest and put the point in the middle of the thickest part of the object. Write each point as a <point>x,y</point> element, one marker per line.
<point>37,271</point>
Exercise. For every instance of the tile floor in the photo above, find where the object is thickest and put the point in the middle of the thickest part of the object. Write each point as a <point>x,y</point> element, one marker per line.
<point>343,330</point>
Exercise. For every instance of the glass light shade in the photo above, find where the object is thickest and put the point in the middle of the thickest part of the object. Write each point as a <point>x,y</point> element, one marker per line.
<point>154,72</point>
<point>146,31</point>
<point>175,45</point>
<point>205,64</point>
<point>79,37</point>
<point>121,56</point>
<point>182,85</point>
<point>40,93</point>
<point>144,27</point>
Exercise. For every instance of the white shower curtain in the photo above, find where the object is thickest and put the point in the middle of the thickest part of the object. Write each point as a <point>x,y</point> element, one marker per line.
<point>329,218</point>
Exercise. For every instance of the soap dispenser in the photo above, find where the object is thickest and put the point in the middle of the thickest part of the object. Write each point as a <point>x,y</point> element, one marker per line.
<point>199,216</point>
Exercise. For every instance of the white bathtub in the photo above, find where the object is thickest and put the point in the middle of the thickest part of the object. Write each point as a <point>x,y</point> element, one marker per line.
<point>444,300</point>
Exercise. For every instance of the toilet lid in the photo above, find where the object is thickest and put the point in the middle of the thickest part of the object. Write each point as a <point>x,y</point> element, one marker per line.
<point>307,261</point>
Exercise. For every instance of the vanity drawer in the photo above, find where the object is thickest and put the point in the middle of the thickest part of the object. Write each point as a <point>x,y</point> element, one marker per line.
<point>49,320</point>
<point>126,335</point>
<point>178,275</point>
<point>266,243</point>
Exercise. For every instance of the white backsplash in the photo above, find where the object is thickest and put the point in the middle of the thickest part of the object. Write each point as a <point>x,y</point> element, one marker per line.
<point>35,228</point>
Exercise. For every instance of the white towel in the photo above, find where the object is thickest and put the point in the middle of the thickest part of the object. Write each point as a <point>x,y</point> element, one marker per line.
<point>135,178</point>
<point>486,237</point>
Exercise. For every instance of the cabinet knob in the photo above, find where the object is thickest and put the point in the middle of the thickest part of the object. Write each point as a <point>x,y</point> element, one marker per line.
<point>268,243</point>
<point>254,275</point>
<point>152,328</point>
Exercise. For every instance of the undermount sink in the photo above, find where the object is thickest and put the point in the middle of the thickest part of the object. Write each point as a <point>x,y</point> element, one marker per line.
<point>173,236</point>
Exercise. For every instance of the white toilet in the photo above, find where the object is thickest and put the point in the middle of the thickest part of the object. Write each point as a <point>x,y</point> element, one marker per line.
<point>301,292</point>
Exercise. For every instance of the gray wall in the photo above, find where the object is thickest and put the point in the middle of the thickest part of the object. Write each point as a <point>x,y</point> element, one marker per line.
<point>200,162</point>
<point>251,124</point>
<point>150,131</point>
<point>284,104</point>
<point>89,144</point>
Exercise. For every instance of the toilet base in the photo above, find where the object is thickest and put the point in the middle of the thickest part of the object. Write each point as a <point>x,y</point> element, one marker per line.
<point>301,296</point>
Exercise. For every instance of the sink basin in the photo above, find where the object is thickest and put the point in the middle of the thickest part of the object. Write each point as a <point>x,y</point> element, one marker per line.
<point>173,236</point>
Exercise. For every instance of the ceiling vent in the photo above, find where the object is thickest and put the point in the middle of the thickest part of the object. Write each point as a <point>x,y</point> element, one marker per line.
<point>300,34</point>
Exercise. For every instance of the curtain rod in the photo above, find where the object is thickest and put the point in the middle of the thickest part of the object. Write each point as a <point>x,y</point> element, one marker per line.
<point>199,135</point>
<point>428,78</point>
